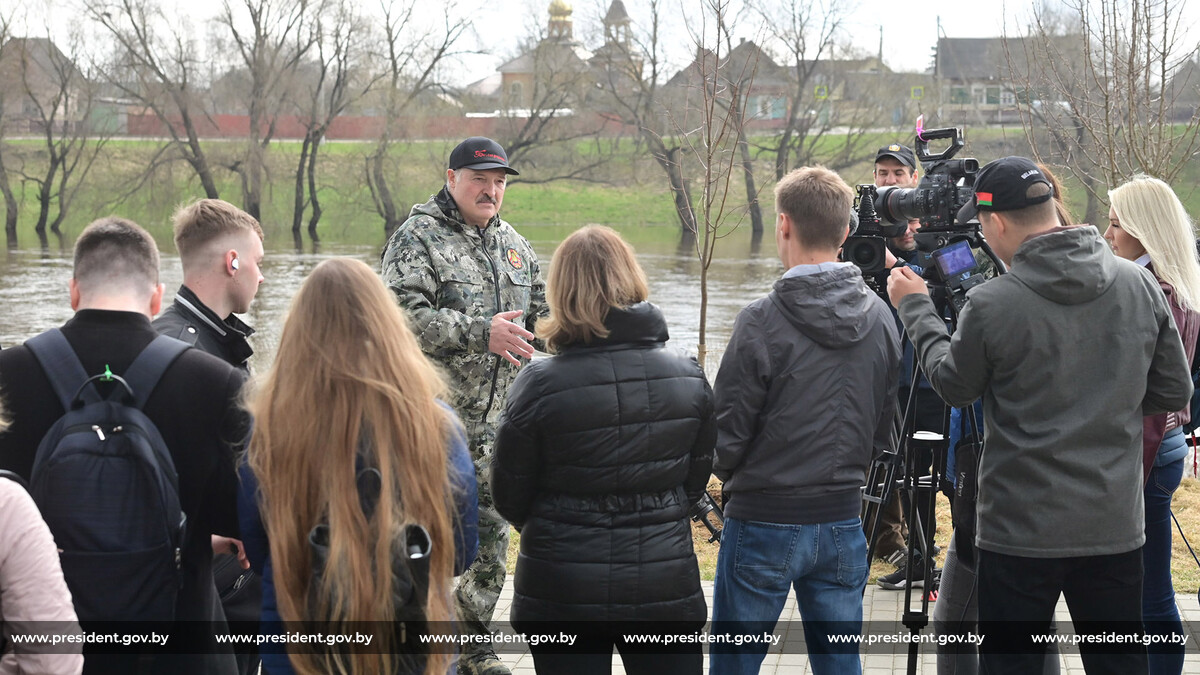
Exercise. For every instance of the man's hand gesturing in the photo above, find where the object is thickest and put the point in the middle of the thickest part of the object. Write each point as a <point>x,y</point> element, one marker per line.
<point>509,339</point>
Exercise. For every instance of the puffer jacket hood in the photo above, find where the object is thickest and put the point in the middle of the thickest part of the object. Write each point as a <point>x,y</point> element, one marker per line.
<point>825,308</point>
<point>1040,261</point>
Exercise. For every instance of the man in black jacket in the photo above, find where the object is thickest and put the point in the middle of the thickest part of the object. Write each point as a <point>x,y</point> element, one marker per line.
<point>221,248</point>
<point>115,292</point>
<point>805,396</point>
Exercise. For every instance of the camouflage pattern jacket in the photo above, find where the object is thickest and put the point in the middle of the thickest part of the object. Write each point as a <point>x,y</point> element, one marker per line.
<point>451,278</point>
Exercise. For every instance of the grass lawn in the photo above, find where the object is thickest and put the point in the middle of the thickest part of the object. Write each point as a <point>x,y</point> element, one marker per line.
<point>1184,569</point>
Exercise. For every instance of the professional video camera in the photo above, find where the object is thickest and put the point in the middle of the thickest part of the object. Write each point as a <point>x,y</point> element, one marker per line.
<point>865,245</point>
<point>937,199</point>
<point>943,244</point>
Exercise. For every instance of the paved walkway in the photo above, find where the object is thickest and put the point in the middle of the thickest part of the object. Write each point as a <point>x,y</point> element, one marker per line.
<point>878,605</point>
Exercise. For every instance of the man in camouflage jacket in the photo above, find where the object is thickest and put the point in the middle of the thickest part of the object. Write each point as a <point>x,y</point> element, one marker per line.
<point>473,290</point>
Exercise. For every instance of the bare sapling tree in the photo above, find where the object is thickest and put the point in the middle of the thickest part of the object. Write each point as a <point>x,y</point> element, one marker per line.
<point>326,86</point>
<point>270,38</point>
<point>713,138</point>
<point>157,63</point>
<point>60,98</point>
<point>1095,80</point>
<point>411,56</point>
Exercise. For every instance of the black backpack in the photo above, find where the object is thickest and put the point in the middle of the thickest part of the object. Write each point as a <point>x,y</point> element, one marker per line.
<point>107,487</point>
<point>410,576</point>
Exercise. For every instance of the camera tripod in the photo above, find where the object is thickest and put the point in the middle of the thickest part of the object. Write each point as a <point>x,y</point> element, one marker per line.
<point>902,472</point>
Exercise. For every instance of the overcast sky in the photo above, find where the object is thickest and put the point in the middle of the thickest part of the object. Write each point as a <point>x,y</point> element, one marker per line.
<point>910,27</point>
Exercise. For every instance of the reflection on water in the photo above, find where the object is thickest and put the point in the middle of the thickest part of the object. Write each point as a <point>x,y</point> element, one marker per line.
<point>33,285</point>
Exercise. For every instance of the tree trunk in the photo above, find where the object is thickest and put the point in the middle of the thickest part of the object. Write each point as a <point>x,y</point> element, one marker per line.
<point>312,191</point>
<point>756,219</point>
<point>669,161</point>
<point>783,154</point>
<point>10,205</point>
<point>385,203</point>
<point>298,200</point>
<point>195,153</point>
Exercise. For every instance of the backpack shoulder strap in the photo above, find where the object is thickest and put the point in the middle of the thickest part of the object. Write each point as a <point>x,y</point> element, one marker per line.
<point>5,473</point>
<point>62,367</point>
<point>148,368</point>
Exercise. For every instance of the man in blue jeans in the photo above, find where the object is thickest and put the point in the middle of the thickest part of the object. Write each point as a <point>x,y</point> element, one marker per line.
<point>805,396</point>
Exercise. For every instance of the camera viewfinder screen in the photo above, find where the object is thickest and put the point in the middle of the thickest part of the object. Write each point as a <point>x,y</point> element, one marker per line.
<point>954,259</point>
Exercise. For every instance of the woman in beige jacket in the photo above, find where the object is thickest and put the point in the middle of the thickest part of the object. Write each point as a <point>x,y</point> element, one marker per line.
<point>33,594</point>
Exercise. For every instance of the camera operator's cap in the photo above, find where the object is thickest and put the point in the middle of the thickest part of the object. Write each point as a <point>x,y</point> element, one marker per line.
<point>900,153</point>
<point>1003,185</point>
<point>479,153</point>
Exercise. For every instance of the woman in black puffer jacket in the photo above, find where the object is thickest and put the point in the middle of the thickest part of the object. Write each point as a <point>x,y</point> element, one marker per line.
<point>600,453</point>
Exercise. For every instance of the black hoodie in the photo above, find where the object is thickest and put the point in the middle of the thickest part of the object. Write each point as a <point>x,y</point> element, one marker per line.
<point>805,396</point>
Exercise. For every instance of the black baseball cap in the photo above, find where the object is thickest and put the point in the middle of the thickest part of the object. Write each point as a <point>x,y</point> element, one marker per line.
<point>1002,185</point>
<point>900,153</point>
<point>478,152</point>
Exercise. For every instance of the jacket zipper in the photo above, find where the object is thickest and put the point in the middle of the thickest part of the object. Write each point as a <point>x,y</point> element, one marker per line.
<point>496,287</point>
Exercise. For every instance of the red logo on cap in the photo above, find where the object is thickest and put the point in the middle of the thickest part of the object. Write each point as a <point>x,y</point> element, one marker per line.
<point>485,153</point>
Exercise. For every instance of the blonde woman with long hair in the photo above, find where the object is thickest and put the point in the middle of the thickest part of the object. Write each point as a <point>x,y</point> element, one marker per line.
<point>351,390</point>
<point>1148,225</point>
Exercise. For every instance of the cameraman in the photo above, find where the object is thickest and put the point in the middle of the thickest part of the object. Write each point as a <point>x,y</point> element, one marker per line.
<point>896,165</point>
<point>1068,351</point>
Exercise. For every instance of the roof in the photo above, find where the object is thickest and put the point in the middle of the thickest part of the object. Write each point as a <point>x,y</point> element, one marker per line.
<point>556,54</point>
<point>616,13</point>
<point>43,54</point>
<point>979,58</point>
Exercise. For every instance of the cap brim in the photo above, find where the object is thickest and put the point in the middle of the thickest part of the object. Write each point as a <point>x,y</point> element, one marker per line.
<point>968,212</point>
<point>491,165</point>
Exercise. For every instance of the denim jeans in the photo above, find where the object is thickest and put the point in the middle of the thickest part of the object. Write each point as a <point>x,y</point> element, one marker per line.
<point>759,564</point>
<point>1159,613</point>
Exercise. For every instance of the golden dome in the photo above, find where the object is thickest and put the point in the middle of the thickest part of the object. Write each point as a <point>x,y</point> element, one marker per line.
<point>560,8</point>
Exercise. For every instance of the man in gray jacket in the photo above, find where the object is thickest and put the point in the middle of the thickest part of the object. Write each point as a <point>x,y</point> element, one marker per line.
<point>805,396</point>
<point>1069,351</point>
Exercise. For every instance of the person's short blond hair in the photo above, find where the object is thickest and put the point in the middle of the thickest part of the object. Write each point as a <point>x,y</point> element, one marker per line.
<point>818,203</point>
<point>205,220</point>
<point>593,271</point>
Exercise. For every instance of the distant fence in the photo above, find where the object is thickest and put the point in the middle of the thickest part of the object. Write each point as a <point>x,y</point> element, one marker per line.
<point>365,127</point>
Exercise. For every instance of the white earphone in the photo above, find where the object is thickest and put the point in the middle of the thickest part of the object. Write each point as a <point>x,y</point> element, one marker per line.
<point>233,263</point>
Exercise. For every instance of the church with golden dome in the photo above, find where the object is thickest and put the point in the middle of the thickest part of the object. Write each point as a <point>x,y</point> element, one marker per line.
<point>557,73</point>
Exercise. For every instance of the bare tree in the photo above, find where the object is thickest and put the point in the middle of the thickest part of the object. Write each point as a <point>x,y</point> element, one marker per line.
<point>1096,80</point>
<point>326,87</point>
<point>805,33</point>
<point>60,98</point>
<point>545,124</point>
<point>714,146</point>
<point>158,64</point>
<point>412,57</point>
<point>631,77</point>
<point>270,38</point>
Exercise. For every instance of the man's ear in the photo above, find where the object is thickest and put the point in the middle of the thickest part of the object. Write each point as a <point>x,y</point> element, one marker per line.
<point>156,300</point>
<point>450,178</point>
<point>785,225</point>
<point>73,286</point>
